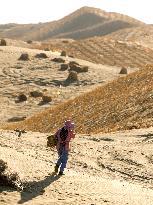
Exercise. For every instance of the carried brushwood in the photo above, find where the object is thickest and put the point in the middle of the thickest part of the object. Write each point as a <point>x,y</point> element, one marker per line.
<point>51,141</point>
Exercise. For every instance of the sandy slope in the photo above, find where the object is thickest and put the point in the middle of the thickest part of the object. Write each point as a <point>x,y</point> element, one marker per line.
<point>114,168</point>
<point>42,75</point>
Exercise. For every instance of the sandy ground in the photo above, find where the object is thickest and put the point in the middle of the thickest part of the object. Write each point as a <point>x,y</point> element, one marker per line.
<point>114,168</point>
<point>45,76</point>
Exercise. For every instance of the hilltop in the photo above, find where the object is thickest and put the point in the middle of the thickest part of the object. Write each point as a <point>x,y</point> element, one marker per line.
<point>83,23</point>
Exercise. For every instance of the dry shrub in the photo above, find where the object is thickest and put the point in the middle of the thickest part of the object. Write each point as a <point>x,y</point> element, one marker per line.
<point>3,42</point>
<point>65,41</point>
<point>36,94</point>
<point>85,69</point>
<point>58,60</point>
<point>63,53</point>
<point>17,119</point>
<point>46,49</point>
<point>72,77</point>
<point>22,97</point>
<point>123,70</point>
<point>73,63</point>
<point>64,66</point>
<point>46,99</point>
<point>7,178</point>
<point>3,166</point>
<point>24,57</point>
<point>41,55</point>
<point>71,56</point>
<point>29,41</point>
<point>79,69</point>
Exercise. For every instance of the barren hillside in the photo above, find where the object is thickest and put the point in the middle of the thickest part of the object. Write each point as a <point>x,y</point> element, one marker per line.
<point>142,35</point>
<point>76,25</point>
<point>125,103</point>
<point>107,51</point>
<point>43,76</point>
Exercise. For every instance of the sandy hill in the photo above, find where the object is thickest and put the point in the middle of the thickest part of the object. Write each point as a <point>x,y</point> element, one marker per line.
<point>44,76</point>
<point>125,103</point>
<point>107,51</point>
<point>83,23</point>
<point>142,35</point>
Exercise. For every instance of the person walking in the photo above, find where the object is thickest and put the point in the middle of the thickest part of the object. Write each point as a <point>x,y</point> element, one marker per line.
<point>63,137</point>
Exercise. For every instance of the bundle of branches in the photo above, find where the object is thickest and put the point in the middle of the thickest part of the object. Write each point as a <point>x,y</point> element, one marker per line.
<point>51,141</point>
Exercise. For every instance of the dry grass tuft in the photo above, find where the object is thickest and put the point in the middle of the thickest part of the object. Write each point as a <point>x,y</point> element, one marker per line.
<point>22,97</point>
<point>46,99</point>
<point>3,42</point>
<point>63,53</point>
<point>3,166</point>
<point>72,77</point>
<point>41,55</point>
<point>64,67</point>
<point>29,41</point>
<point>36,94</point>
<point>58,60</point>
<point>24,57</point>
<point>123,71</point>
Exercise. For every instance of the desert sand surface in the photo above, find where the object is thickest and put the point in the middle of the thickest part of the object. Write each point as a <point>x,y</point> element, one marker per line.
<point>113,168</point>
<point>45,76</point>
<point>111,157</point>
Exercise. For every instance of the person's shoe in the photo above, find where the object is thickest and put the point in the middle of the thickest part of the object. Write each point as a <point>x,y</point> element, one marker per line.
<point>60,173</point>
<point>56,168</point>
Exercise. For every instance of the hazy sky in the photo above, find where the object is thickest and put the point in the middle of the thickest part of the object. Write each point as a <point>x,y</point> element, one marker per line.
<point>34,11</point>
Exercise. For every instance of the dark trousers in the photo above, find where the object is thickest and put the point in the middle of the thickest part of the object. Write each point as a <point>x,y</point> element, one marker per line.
<point>62,158</point>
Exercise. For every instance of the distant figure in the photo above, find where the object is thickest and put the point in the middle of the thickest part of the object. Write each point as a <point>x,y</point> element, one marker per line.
<point>63,137</point>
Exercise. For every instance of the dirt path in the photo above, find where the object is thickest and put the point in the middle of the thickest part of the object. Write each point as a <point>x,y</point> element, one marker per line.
<point>101,169</point>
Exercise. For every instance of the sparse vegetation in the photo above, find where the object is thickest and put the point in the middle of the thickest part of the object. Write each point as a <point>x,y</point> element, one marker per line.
<point>24,57</point>
<point>36,94</point>
<point>64,66</point>
<point>79,69</point>
<point>123,71</point>
<point>3,42</point>
<point>7,178</point>
<point>110,52</point>
<point>63,53</point>
<point>58,60</point>
<point>22,97</point>
<point>46,99</point>
<point>16,119</point>
<point>29,41</point>
<point>108,108</point>
<point>72,77</point>
<point>41,55</point>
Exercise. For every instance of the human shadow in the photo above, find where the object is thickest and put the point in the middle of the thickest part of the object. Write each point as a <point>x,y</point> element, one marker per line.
<point>6,188</point>
<point>34,189</point>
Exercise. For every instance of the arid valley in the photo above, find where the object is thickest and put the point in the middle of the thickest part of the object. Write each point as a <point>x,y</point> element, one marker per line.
<point>95,68</point>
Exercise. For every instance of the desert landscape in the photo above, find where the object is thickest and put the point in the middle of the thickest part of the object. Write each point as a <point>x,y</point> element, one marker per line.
<point>95,68</point>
